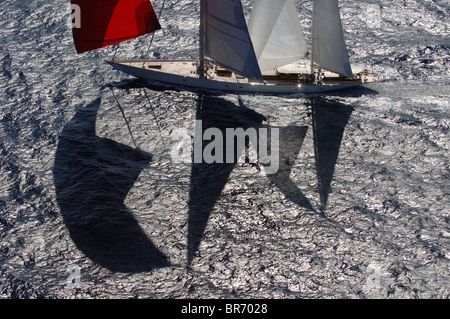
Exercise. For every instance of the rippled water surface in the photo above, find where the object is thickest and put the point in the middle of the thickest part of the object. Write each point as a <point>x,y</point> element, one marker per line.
<point>359,207</point>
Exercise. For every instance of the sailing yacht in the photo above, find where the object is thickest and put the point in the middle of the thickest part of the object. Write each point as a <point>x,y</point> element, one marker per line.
<point>267,55</point>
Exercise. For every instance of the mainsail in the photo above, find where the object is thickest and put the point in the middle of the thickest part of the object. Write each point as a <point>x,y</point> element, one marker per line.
<point>276,33</point>
<point>107,22</point>
<point>226,37</point>
<point>328,45</point>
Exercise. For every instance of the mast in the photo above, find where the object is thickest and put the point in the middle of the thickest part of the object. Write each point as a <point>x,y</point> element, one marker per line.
<point>312,40</point>
<point>224,39</point>
<point>202,34</point>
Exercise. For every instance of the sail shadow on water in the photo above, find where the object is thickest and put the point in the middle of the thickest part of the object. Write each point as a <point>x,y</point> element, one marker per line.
<point>92,177</point>
<point>329,120</point>
<point>291,141</point>
<point>209,179</point>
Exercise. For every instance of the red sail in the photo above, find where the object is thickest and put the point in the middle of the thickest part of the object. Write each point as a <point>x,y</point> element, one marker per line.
<point>105,22</point>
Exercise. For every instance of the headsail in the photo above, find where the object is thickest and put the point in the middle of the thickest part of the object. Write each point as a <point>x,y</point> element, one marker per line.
<point>276,33</point>
<point>227,40</point>
<point>107,22</point>
<point>328,44</point>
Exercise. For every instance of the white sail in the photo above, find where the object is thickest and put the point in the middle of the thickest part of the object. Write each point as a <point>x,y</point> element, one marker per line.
<point>227,40</point>
<point>328,45</point>
<point>276,33</point>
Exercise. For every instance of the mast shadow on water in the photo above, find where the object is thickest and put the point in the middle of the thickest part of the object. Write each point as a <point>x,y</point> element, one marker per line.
<point>92,177</point>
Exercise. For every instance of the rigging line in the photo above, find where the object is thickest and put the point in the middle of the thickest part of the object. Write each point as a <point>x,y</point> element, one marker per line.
<point>153,34</point>
<point>156,118</point>
<point>158,181</point>
<point>117,47</point>
<point>124,117</point>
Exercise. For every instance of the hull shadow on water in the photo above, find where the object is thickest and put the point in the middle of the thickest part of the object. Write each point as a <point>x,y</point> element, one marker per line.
<point>92,177</point>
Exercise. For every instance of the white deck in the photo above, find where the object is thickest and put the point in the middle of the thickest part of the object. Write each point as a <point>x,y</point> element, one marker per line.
<point>184,72</point>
